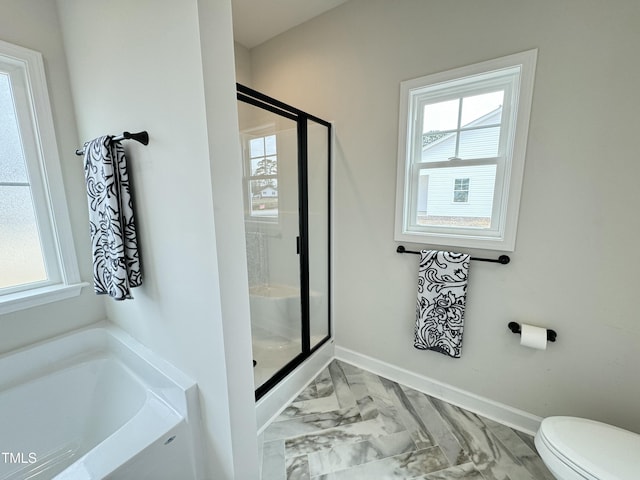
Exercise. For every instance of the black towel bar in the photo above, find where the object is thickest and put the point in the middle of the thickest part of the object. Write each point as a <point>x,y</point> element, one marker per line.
<point>502,259</point>
<point>515,328</point>
<point>142,137</point>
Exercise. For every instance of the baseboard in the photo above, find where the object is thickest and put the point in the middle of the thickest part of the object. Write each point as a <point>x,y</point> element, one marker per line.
<point>512,417</point>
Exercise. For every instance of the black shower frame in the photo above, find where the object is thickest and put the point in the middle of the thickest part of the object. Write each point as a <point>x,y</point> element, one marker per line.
<point>257,99</point>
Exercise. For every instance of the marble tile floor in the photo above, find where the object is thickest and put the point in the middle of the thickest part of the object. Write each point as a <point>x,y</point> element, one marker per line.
<point>352,424</point>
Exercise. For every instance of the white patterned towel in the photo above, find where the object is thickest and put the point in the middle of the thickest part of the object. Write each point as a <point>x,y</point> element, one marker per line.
<point>442,291</point>
<point>116,262</point>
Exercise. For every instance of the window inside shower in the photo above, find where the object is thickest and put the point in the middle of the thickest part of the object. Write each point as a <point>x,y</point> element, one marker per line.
<point>286,164</point>
<point>262,175</point>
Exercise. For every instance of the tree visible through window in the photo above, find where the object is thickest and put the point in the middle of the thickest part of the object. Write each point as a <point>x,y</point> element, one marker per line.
<point>263,181</point>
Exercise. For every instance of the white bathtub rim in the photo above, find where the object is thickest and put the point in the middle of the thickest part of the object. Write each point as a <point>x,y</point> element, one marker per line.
<point>175,389</point>
<point>99,339</point>
<point>152,421</point>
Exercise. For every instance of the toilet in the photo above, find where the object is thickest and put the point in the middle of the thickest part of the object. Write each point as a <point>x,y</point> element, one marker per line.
<point>578,449</point>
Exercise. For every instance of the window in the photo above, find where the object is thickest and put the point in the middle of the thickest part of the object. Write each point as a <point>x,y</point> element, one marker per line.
<point>263,178</point>
<point>461,190</point>
<point>462,141</point>
<point>37,257</point>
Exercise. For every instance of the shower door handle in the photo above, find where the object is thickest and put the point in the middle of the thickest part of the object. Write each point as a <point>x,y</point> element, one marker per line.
<point>298,245</point>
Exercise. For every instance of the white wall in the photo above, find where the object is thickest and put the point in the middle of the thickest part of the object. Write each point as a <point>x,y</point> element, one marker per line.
<point>217,53</point>
<point>34,24</point>
<point>167,67</point>
<point>574,268</point>
<point>243,64</point>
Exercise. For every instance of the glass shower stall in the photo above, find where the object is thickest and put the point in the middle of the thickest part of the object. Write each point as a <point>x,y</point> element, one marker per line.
<point>286,182</point>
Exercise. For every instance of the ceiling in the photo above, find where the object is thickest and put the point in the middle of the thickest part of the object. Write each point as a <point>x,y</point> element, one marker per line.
<point>256,21</point>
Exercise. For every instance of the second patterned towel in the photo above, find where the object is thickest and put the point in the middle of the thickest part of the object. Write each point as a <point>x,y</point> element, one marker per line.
<point>442,292</point>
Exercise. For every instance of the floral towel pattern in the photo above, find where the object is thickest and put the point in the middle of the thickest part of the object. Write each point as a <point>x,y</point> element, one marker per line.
<point>442,291</point>
<point>116,262</point>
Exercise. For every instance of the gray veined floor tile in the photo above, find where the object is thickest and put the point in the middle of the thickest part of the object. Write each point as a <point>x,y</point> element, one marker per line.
<point>378,391</point>
<point>307,424</point>
<point>399,467</point>
<point>351,424</point>
<point>367,406</point>
<point>308,407</point>
<point>353,454</point>
<point>326,439</point>
<point>528,439</point>
<point>364,400</point>
<point>438,430</point>
<point>521,449</point>
<point>491,458</point>
<point>408,415</point>
<point>297,468</point>
<point>341,386</point>
<point>349,369</point>
<point>466,471</point>
<point>391,422</point>
<point>310,392</point>
<point>273,465</point>
<point>361,384</point>
<point>324,384</point>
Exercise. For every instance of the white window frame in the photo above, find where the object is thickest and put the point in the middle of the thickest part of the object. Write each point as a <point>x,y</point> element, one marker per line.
<point>35,122</point>
<point>269,225</point>
<point>414,94</point>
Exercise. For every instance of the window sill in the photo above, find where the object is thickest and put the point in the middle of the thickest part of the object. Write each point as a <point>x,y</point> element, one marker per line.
<point>38,296</point>
<point>505,243</point>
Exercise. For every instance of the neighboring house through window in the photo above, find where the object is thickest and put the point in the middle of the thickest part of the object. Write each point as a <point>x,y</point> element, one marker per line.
<point>461,149</point>
<point>37,256</point>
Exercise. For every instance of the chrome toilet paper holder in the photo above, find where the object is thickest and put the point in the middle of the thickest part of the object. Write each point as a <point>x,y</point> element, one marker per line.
<point>515,328</point>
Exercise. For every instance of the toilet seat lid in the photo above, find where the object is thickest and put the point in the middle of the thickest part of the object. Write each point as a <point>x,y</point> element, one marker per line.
<point>602,451</point>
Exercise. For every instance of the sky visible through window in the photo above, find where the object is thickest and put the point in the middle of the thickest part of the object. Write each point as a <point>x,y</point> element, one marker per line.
<point>443,116</point>
<point>21,259</point>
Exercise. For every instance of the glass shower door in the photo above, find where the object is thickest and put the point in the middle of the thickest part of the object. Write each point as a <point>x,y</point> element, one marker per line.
<point>270,157</point>
<point>318,144</point>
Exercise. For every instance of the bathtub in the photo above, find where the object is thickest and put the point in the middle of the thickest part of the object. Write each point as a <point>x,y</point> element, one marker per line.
<point>96,404</point>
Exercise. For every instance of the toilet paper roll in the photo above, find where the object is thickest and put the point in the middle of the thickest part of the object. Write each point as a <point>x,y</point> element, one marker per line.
<point>533,337</point>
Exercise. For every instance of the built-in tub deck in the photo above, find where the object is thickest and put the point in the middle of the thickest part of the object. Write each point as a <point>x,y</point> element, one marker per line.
<point>95,404</point>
